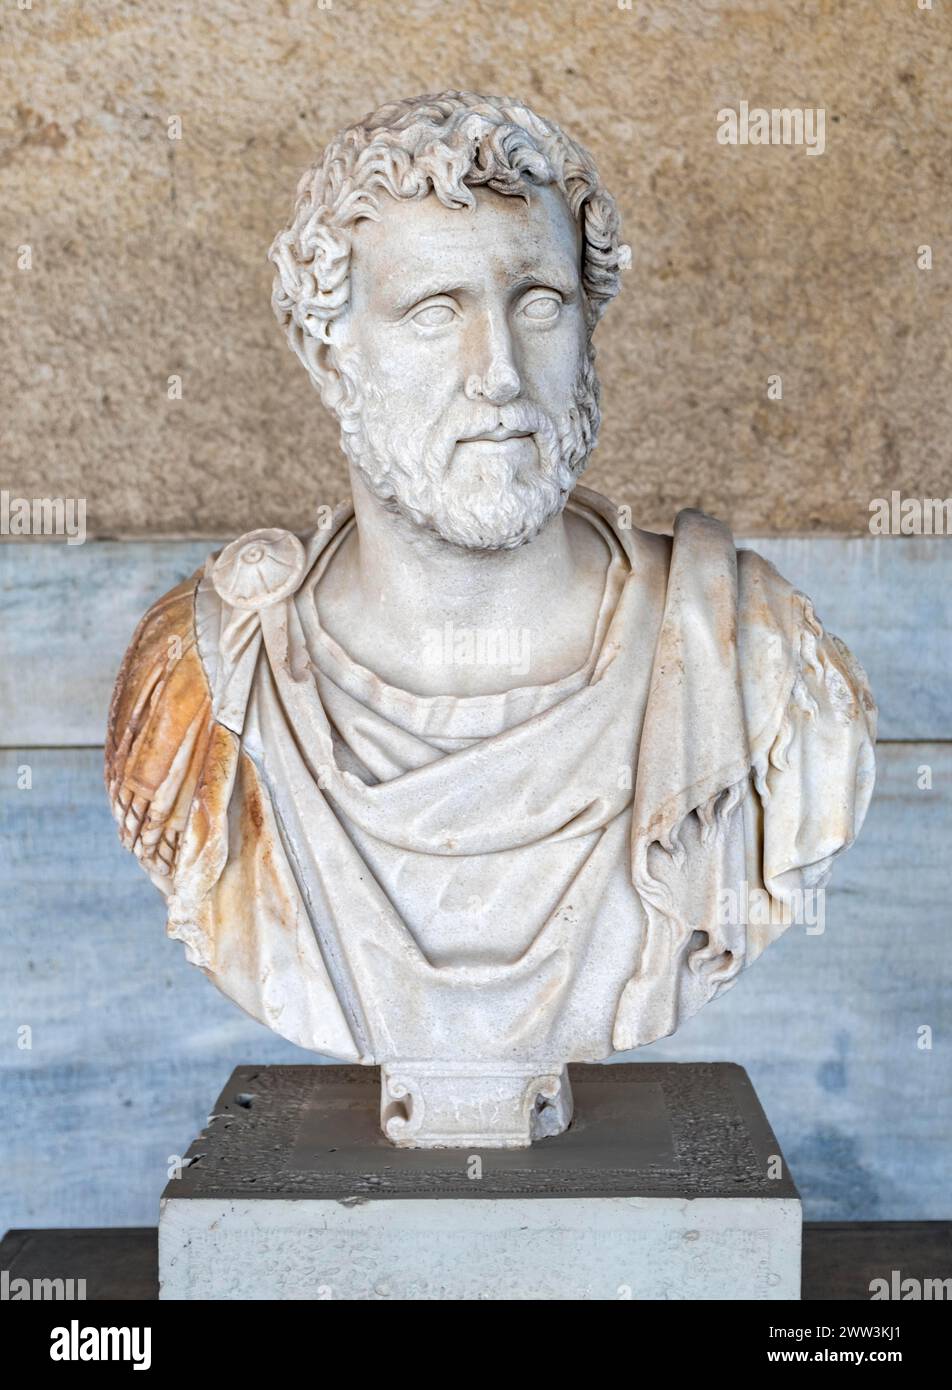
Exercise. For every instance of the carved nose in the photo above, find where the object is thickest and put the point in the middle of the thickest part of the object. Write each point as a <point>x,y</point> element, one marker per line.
<point>498,381</point>
<point>499,385</point>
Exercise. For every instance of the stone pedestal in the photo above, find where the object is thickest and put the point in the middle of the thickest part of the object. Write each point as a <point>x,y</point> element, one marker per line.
<point>668,1183</point>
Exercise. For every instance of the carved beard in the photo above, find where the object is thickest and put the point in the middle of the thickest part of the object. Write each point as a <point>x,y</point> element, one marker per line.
<point>497,504</point>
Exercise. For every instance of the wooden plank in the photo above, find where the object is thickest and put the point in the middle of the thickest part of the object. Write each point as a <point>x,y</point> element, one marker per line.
<point>68,612</point>
<point>130,1044</point>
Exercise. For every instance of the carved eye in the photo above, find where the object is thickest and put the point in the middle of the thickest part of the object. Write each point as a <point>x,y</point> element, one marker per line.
<point>542,308</point>
<point>434,316</point>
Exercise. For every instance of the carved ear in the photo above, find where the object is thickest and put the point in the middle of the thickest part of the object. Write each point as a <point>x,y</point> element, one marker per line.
<point>318,359</point>
<point>317,356</point>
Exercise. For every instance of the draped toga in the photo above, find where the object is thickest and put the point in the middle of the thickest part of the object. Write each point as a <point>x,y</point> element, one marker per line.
<point>539,873</point>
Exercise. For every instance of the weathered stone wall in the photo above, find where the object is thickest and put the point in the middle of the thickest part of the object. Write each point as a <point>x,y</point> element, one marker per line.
<point>148,253</point>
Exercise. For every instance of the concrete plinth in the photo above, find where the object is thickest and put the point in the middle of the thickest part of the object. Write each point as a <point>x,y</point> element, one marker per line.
<point>669,1183</point>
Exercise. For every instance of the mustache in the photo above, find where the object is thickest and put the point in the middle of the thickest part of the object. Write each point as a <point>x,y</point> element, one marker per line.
<point>469,420</point>
<point>519,417</point>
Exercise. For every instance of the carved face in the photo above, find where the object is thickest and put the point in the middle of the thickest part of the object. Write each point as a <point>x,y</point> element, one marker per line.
<point>469,363</point>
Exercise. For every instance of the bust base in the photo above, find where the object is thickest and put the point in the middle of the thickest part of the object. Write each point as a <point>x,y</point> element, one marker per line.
<point>467,1105</point>
<point>668,1184</point>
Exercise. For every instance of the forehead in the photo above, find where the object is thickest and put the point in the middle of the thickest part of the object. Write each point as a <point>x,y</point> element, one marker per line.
<point>502,237</point>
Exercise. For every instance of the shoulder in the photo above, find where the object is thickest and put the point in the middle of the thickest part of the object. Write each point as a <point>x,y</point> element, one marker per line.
<point>771,610</point>
<point>158,728</point>
<point>171,739</point>
<point>162,645</point>
<point>745,598</point>
<point>825,687</point>
<point>784,654</point>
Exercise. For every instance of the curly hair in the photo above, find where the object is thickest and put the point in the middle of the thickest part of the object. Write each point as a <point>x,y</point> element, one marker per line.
<point>449,144</point>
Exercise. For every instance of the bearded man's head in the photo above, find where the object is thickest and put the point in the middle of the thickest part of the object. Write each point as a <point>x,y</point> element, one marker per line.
<point>441,277</point>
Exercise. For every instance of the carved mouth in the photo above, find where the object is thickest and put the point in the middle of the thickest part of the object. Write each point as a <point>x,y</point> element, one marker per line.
<point>496,436</point>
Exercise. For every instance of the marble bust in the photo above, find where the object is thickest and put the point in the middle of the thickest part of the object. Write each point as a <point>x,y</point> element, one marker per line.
<point>459,781</point>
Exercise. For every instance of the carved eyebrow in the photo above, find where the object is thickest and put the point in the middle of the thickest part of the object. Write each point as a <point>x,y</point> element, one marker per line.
<point>543,277</point>
<point>546,278</point>
<point>418,293</point>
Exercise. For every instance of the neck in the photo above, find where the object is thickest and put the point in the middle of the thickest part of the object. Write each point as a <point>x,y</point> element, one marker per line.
<point>412,576</point>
